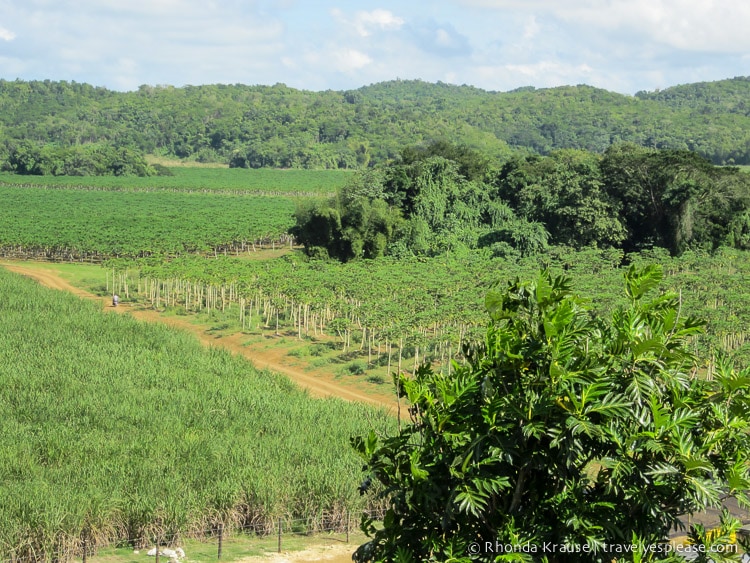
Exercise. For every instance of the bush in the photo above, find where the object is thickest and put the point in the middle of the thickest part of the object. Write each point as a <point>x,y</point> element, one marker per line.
<point>356,368</point>
<point>162,170</point>
<point>319,349</point>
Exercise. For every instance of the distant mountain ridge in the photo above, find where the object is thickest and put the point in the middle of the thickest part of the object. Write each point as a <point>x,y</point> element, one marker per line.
<point>278,126</point>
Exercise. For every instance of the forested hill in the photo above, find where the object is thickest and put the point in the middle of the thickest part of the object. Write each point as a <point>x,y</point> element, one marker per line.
<point>726,96</point>
<point>278,126</point>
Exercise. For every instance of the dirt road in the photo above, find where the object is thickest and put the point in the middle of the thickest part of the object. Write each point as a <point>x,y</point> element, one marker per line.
<point>330,553</point>
<point>317,385</point>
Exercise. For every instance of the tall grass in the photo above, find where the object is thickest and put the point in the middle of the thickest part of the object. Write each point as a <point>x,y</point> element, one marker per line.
<point>115,429</point>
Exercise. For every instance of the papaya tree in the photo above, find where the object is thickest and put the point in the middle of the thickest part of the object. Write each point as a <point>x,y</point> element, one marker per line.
<point>564,437</point>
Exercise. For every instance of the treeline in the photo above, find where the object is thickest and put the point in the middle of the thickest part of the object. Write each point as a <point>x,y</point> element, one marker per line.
<point>278,126</point>
<point>446,198</point>
<point>93,159</point>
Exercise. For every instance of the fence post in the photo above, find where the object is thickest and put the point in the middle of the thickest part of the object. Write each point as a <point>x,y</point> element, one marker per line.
<point>221,539</point>
<point>156,541</point>
<point>347,525</point>
<point>280,524</point>
<point>83,541</point>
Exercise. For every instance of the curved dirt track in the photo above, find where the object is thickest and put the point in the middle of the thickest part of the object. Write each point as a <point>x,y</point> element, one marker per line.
<point>318,386</point>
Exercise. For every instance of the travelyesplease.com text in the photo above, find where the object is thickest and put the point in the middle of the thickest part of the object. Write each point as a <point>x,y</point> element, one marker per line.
<point>499,548</point>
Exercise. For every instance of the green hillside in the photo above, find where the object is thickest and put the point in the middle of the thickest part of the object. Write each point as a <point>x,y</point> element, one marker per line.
<point>278,126</point>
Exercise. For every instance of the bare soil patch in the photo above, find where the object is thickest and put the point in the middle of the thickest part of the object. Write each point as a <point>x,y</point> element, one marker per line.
<point>330,553</point>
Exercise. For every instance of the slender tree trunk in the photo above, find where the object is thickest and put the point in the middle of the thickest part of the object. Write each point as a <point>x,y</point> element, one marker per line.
<point>400,350</point>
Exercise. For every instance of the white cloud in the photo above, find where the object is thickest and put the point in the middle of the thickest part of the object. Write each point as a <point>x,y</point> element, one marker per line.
<point>125,44</point>
<point>6,34</point>
<point>545,74</point>
<point>365,23</point>
<point>381,19</point>
<point>439,39</point>
<point>126,72</point>
<point>148,7</point>
<point>531,29</point>
<point>689,25</point>
<point>692,25</point>
<point>516,4</point>
<point>548,70</point>
<point>348,60</point>
<point>443,38</point>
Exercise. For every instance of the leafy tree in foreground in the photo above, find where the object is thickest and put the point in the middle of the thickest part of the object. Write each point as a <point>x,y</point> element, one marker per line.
<point>562,431</point>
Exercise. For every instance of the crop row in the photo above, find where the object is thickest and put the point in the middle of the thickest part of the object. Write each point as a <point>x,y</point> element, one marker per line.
<point>429,306</point>
<point>118,429</point>
<point>194,179</point>
<point>78,225</point>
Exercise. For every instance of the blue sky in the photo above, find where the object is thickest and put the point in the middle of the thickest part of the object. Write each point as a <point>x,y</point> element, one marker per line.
<point>620,45</point>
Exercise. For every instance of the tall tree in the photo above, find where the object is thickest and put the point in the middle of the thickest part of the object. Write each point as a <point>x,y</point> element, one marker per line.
<point>663,195</point>
<point>564,192</point>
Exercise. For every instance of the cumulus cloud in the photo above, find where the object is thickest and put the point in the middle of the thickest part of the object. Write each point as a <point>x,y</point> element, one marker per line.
<point>364,23</point>
<point>542,74</point>
<point>6,34</point>
<point>693,25</point>
<point>682,24</point>
<point>440,39</point>
<point>347,60</point>
<point>549,71</point>
<point>125,44</point>
<point>531,29</point>
<point>151,8</point>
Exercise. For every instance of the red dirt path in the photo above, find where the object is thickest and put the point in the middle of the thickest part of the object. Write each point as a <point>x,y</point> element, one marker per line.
<point>317,385</point>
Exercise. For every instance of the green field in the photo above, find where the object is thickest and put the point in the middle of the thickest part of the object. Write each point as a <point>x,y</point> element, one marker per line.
<point>197,210</point>
<point>120,430</point>
<point>81,224</point>
<point>232,180</point>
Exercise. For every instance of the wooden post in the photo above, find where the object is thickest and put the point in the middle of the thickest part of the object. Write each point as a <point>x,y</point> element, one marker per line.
<point>83,541</point>
<point>221,540</point>
<point>347,526</point>
<point>156,541</point>
<point>280,524</point>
